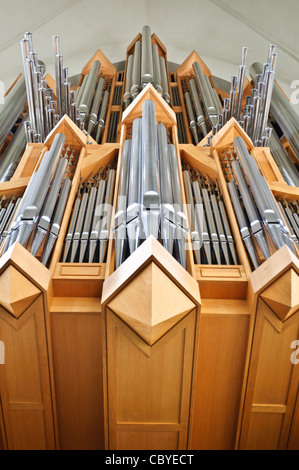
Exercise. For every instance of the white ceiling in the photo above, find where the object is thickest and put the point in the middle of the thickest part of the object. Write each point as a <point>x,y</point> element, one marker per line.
<point>216,29</point>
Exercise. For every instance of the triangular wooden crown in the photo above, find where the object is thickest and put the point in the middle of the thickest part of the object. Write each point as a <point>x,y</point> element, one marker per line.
<point>186,68</point>
<point>283,295</point>
<point>107,68</point>
<point>225,137</point>
<point>277,283</point>
<point>74,136</point>
<point>22,279</point>
<point>151,292</point>
<point>164,113</point>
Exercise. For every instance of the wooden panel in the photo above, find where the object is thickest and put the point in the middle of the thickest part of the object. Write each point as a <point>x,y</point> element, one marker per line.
<point>98,156</point>
<point>22,375</point>
<point>294,435</point>
<point>140,440</point>
<point>199,158</point>
<point>221,282</point>
<point>223,336</point>
<point>29,429</point>
<point>267,164</point>
<point>149,390</point>
<point>78,279</point>
<point>264,432</point>
<point>230,272</point>
<point>77,353</point>
<point>82,270</point>
<point>25,380</point>
<point>28,161</point>
<point>78,287</point>
<point>16,187</point>
<point>274,366</point>
<point>2,436</point>
<point>281,191</point>
<point>158,404</point>
<point>272,383</point>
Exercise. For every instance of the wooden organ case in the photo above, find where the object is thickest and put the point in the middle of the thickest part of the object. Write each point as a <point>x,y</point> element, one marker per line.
<point>149,355</point>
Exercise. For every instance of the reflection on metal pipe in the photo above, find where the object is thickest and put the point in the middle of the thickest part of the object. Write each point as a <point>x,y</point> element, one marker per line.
<point>146,57</point>
<point>145,65</point>
<point>150,194</point>
<point>13,153</point>
<point>260,211</point>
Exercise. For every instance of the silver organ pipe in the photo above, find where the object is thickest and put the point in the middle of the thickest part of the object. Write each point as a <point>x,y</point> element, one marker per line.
<point>82,106</point>
<point>150,200</point>
<point>14,105</point>
<point>144,66</point>
<point>265,102</point>
<point>256,210</point>
<point>13,153</point>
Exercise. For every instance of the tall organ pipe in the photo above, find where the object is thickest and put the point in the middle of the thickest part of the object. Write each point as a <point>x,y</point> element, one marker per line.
<point>146,56</point>
<point>15,103</point>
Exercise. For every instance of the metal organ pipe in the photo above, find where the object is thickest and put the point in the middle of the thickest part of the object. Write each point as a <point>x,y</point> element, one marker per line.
<point>149,192</point>
<point>136,72</point>
<point>82,106</point>
<point>144,66</point>
<point>88,92</point>
<point>150,186</point>
<point>15,103</point>
<point>282,111</point>
<point>147,70</point>
<point>13,153</point>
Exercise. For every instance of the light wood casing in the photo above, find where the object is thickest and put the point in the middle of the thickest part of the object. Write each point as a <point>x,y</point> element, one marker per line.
<point>26,377</point>
<point>150,352</point>
<point>148,356</point>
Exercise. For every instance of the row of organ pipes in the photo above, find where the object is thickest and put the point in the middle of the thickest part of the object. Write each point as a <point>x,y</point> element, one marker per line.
<point>38,214</point>
<point>266,102</point>
<point>89,228</point>
<point>13,116</point>
<point>261,222</point>
<point>145,66</point>
<point>150,199</point>
<point>86,106</point>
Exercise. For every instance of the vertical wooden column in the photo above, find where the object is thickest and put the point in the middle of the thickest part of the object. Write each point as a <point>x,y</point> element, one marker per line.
<point>223,336</point>
<point>225,314</point>
<point>77,358</point>
<point>26,386</point>
<point>151,319</point>
<point>2,431</point>
<point>75,315</point>
<point>293,443</point>
<point>269,417</point>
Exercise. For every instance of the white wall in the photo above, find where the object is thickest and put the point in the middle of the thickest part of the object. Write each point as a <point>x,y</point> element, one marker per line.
<point>216,29</point>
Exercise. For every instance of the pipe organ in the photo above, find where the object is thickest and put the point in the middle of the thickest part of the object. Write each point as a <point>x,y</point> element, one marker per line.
<point>149,273</point>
